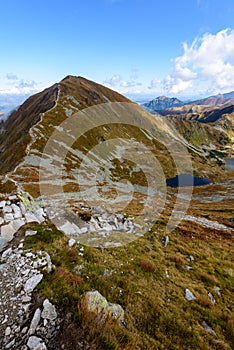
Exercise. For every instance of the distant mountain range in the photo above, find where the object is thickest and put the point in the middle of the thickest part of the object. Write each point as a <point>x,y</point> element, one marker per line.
<point>162,103</point>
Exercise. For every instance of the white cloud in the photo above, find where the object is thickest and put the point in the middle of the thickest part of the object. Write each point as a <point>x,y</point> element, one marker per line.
<point>11,84</point>
<point>31,84</point>
<point>131,83</point>
<point>114,80</point>
<point>124,85</point>
<point>208,64</point>
<point>11,76</point>
<point>154,84</point>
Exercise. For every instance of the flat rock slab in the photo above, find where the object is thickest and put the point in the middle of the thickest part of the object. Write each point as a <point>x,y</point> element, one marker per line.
<point>32,282</point>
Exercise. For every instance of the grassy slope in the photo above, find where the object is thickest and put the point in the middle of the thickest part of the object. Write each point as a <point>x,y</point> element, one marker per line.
<point>157,314</point>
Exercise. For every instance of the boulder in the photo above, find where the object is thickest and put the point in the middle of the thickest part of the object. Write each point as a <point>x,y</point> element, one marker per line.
<point>97,304</point>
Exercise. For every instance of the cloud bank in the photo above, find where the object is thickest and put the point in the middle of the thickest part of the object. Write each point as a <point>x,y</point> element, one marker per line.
<point>12,84</point>
<point>207,65</point>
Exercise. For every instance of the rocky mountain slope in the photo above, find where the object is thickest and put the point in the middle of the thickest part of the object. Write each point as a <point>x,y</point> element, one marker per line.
<point>88,259</point>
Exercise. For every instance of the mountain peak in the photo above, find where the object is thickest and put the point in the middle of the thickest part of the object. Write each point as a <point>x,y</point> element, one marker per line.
<point>162,102</point>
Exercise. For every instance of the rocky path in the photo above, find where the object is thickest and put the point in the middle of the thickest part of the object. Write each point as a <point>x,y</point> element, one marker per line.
<point>21,327</point>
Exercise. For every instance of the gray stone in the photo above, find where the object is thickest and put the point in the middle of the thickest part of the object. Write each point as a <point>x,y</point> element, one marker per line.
<point>1,221</point>
<point>8,231</point>
<point>35,343</point>
<point>40,215</point>
<point>31,217</point>
<point>18,223</point>
<point>49,311</point>
<point>3,243</point>
<point>35,321</point>
<point>9,345</point>
<point>17,211</point>
<point>189,295</point>
<point>69,228</point>
<point>32,282</point>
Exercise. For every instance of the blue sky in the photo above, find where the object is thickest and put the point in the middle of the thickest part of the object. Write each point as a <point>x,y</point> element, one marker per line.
<point>176,48</point>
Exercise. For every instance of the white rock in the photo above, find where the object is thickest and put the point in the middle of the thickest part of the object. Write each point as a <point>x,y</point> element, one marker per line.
<point>49,311</point>
<point>71,242</point>
<point>69,228</point>
<point>7,331</point>
<point>1,221</point>
<point>35,321</point>
<point>35,343</point>
<point>6,253</point>
<point>2,204</point>
<point>30,233</point>
<point>84,230</point>
<point>189,295</point>
<point>32,282</point>
<point>24,330</point>
<point>7,209</point>
<point>12,198</point>
<point>8,217</point>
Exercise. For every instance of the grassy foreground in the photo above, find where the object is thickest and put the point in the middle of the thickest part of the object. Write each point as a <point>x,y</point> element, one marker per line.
<point>148,280</point>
